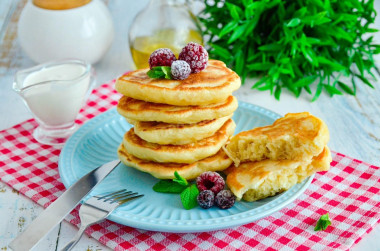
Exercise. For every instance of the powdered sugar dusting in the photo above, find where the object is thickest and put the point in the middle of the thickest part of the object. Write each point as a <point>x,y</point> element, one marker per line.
<point>180,69</point>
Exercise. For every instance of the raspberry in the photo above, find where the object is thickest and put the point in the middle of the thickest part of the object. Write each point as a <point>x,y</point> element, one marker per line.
<point>210,181</point>
<point>161,57</point>
<point>195,55</point>
<point>180,69</point>
<point>205,199</point>
<point>225,199</point>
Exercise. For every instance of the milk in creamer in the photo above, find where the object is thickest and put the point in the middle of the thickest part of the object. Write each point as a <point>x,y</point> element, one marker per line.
<point>56,94</point>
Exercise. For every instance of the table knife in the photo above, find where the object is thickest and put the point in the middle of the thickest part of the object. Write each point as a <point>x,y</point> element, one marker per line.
<point>57,211</point>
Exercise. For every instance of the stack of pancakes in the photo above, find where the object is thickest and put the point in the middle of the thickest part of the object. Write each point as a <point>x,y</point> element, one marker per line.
<point>271,159</point>
<point>179,125</point>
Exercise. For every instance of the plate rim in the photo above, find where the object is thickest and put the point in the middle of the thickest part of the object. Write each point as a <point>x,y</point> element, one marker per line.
<point>180,226</point>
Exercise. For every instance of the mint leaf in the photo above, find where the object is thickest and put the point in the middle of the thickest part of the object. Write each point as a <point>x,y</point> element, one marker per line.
<point>189,197</point>
<point>168,186</point>
<point>167,71</point>
<point>180,180</point>
<point>160,72</point>
<point>323,222</point>
<point>155,73</point>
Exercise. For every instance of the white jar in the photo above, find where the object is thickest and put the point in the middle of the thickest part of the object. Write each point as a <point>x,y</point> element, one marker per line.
<point>84,32</point>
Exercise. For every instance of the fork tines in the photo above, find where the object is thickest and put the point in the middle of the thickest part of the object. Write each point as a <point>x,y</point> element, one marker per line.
<point>120,196</point>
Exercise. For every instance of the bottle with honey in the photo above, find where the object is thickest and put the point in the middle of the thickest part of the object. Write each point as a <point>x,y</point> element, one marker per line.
<point>162,24</point>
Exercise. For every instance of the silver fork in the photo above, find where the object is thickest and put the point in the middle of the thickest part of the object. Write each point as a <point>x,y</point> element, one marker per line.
<point>97,208</point>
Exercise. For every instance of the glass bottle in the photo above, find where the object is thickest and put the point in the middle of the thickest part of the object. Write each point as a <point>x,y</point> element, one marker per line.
<point>162,24</point>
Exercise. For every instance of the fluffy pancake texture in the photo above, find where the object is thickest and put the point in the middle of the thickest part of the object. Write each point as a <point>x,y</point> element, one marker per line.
<point>216,162</point>
<point>177,134</point>
<point>187,153</point>
<point>297,136</point>
<point>257,180</point>
<point>139,110</point>
<point>212,85</point>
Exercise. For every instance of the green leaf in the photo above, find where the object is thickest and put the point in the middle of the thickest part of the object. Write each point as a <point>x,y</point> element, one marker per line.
<point>237,33</point>
<point>153,73</point>
<point>167,71</point>
<point>260,66</point>
<point>189,197</point>
<point>312,40</point>
<point>179,179</point>
<point>332,90</point>
<point>160,72</point>
<point>222,52</point>
<point>305,81</point>
<point>359,62</point>
<point>277,92</point>
<point>307,88</point>
<point>323,222</point>
<point>247,2</point>
<point>235,11</point>
<point>345,88</point>
<point>249,9</point>
<point>168,186</point>
<point>240,62</point>
<point>353,84</point>
<point>309,55</point>
<point>271,47</point>
<point>293,22</point>
<point>372,30</point>
<point>317,92</point>
<point>228,28</point>
<point>334,65</point>
<point>364,80</point>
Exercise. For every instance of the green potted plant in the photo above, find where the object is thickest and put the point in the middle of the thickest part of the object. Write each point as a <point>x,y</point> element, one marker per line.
<point>294,45</point>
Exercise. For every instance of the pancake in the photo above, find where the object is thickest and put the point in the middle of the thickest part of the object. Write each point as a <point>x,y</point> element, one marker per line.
<point>216,162</point>
<point>188,153</point>
<point>177,134</point>
<point>297,136</point>
<point>134,109</point>
<point>212,85</point>
<point>257,180</point>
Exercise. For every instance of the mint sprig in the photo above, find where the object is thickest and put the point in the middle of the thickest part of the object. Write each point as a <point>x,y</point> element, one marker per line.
<point>179,185</point>
<point>160,72</point>
<point>168,186</point>
<point>323,222</point>
<point>189,197</point>
<point>179,179</point>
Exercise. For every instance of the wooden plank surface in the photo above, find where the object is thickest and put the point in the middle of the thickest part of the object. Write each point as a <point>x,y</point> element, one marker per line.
<point>354,122</point>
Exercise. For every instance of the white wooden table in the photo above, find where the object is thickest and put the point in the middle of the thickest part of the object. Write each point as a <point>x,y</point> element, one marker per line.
<point>354,122</point>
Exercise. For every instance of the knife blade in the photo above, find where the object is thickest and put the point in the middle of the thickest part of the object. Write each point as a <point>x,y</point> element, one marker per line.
<point>57,211</point>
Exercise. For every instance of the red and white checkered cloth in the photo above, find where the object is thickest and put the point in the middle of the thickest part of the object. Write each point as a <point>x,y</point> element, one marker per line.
<point>349,192</point>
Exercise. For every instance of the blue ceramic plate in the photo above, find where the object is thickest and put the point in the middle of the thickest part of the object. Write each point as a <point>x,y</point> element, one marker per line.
<point>96,142</point>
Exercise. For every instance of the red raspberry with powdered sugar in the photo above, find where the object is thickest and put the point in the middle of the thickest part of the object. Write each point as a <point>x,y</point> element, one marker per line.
<point>161,57</point>
<point>210,181</point>
<point>195,55</point>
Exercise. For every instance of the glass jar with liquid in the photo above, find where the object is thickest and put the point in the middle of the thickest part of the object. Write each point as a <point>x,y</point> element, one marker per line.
<point>162,24</point>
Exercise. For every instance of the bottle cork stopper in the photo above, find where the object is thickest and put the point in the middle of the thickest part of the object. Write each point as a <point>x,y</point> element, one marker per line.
<point>59,4</point>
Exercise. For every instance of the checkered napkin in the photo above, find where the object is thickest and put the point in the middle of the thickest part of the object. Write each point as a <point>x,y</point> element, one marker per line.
<point>349,192</point>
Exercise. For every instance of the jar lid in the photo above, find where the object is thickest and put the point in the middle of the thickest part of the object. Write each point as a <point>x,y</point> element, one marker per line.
<point>60,4</point>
